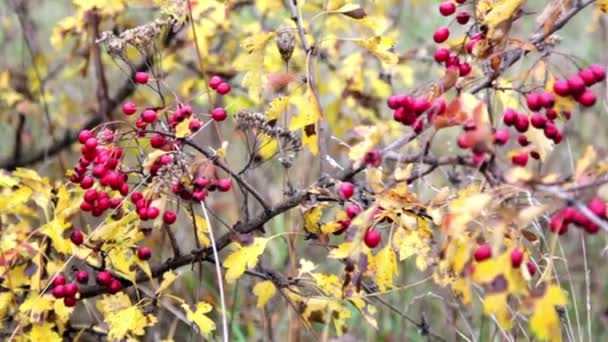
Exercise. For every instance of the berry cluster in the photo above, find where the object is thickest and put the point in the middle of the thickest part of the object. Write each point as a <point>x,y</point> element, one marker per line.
<point>410,111</point>
<point>576,85</point>
<point>68,291</point>
<point>484,252</point>
<point>443,55</point>
<point>562,219</point>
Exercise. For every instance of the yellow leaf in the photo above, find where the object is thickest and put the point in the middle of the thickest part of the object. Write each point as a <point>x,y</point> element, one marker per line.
<point>127,323</point>
<point>312,218</point>
<point>380,47</point>
<point>541,143</point>
<point>168,279</point>
<point>54,230</point>
<point>496,304</point>
<point>306,267</point>
<point>322,310</point>
<point>253,61</point>
<point>603,5</point>
<point>202,230</point>
<point>109,304</point>
<point>585,162</point>
<point>204,323</point>
<point>43,332</point>
<point>342,251</point>
<point>308,110</point>
<point>562,103</point>
<point>268,146</point>
<point>221,152</point>
<point>545,322</point>
<point>277,107</point>
<point>264,291</point>
<point>182,129</point>
<point>386,268</point>
<point>244,258</point>
<point>501,10</point>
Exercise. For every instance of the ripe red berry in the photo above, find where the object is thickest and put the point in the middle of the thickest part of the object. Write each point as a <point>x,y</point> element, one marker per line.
<point>84,135</point>
<point>346,190</point>
<point>557,224</point>
<point>87,182</point>
<point>420,105</point>
<point>77,237</point>
<point>157,140</point>
<point>352,210</point>
<point>344,225</point>
<point>597,206</point>
<point>70,301</point>
<point>91,144</point>
<point>509,117</point>
<point>215,81</point>
<point>551,130</point>
<point>71,289</point>
<point>372,238</point>
<point>115,286</point>
<point>517,257</point>
<point>522,123</point>
<point>598,71</point>
<point>82,277</point>
<point>373,158</point>
<point>576,85</point>
<point>520,159</point>
<point>144,253</point>
<point>224,184</point>
<point>199,195</point>
<point>501,136</point>
<point>58,291</point>
<point>588,76</point>
<point>441,55</point>
<point>169,217</point>
<point>538,120</point>
<point>129,108</point>
<point>558,137</point>
<point>483,252</point>
<point>441,34</point>
<point>587,98</point>
<point>464,69</point>
<point>464,141</point>
<point>551,114</point>
<point>104,278</point>
<point>471,44</point>
<point>447,8</point>
<point>218,114</point>
<point>195,125</point>
<point>141,77</point>
<point>58,280</point>
<point>223,88</point>
<point>523,140</point>
<point>531,268</point>
<point>149,116</point>
<point>152,213</point>
<point>561,87</point>
<point>461,1</point>
<point>546,99</point>
<point>399,115</point>
<point>463,17</point>
<point>533,101</point>
<point>393,102</point>
<point>592,228</point>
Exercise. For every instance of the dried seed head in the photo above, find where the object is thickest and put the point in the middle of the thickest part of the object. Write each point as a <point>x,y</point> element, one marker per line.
<point>286,42</point>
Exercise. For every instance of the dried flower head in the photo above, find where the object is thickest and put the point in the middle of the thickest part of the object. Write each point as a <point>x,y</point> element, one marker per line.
<point>286,42</point>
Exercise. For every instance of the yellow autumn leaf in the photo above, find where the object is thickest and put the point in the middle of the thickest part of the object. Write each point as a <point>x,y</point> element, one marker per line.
<point>386,267</point>
<point>128,322</point>
<point>583,164</point>
<point>204,323</point>
<point>182,129</point>
<point>168,279</point>
<point>43,332</point>
<point>545,322</point>
<point>277,107</point>
<point>252,62</point>
<point>322,310</point>
<point>501,10</point>
<point>603,5</point>
<point>496,304</point>
<point>244,258</point>
<point>54,230</point>
<point>342,251</point>
<point>380,47</point>
<point>269,146</point>
<point>312,218</point>
<point>264,291</point>
<point>202,230</point>
<point>562,103</point>
<point>541,143</point>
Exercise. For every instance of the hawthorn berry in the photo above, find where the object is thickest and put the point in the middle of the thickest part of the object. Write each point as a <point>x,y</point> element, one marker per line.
<point>169,217</point>
<point>517,257</point>
<point>58,291</point>
<point>588,76</point>
<point>195,125</point>
<point>546,100</point>
<point>561,87</point>
<point>84,135</point>
<point>224,184</point>
<point>463,17</point>
<point>157,140</point>
<point>501,136</point>
<point>531,268</point>
<point>557,224</point>
<point>152,213</point>
<point>520,159</point>
<point>149,116</point>
<point>587,98</point>
<point>346,190</point>
<point>115,286</point>
<point>523,140</point>
<point>82,277</point>
<point>538,120</point>
<point>598,71</point>
<point>144,253</point>
<point>352,210</point>
<point>464,69</point>
<point>215,81</point>
<point>141,77</point>
<point>58,280</point>
<point>70,301</point>
<point>464,141</point>
<point>482,252</point>
<point>372,238</point>
<point>441,35</point>
<point>533,101</point>
<point>441,55</point>
<point>104,278</point>
<point>129,108</point>
<point>77,237</point>
<point>576,85</point>
<point>71,289</point>
<point>551,114</point>
<point>373,158</point>
<point>509,117</point>
<point>219,114</point>
<point>223,88</point>
<point>344,225</point>
<point>447,8</point>
<point>597,206</point>
<point>522,123</point>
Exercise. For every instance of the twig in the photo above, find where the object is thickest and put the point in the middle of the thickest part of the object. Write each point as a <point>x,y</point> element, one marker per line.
<point>102,84</point>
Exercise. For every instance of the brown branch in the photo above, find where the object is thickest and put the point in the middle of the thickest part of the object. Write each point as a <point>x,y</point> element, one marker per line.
<point>102,84</point>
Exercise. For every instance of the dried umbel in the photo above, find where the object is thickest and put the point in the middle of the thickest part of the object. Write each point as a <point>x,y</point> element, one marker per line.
<point>286,42</point>
<point>143,38</point>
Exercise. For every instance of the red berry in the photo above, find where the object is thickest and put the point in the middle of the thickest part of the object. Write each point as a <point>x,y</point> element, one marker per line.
<point>509,117</point>
<point>517,257</point>
<point>558,137</point>
<point>70,301</point>
<point>557,224</point>
<point>86,206</point>
<point>129,108</point>
<point>464,69</point>
<point>223,88</point>
<point>84,135</point>
<point>157,140</point>
<point>441,55</point>
<point>372,238</point>
<point>149,116</point>
<point>561,87</point>
<point>195,125</point>
<point>597,206</point>
<point>592,228</point>
<point>546,99</point>
<point>533,101</point>
<point>551,130</point>
<point>373,158</point>
<point>531,268</point>
<point>598,71</point>
<point>346,190</point>
<point>104,278</point>
<point>520,159</point>
<point>393,102</point>
<point>58,291</point>
<point>501,136</point>
<point>538,120</point>
<point>551,114</point>
<point>82,277</point>
<point>535,155</point>
<point>461,1</point>
<point>169,217</point>
<point>522,123</point>
<point>58,280</point>
<point>464,141</point>
<point>587,98</point>
<point>441,34</point>
<point>352,210</point>
<point>447,8</point>
<point>144,253</point>
<point>136,196</point>
<point>219,114</point>
<point>576,85</point>
<point>87,182</point>
<point>463,17</point>
<point>471,44</point>
<point>523,140</point>
<point>199,195</point>
<point>344,225</point>
<point>587,76</point>
<point>224,184</point>
<point>420,105</point>
<point>77,237</point>
<point>399,115</point>
<point>483,252</point>
<point>141,77</point>
<point>115,286</point>
<point>215,81</point>
<point>91,195</point>
<point>152,213</point>
<point>91,144</point>
<point>71,289</point>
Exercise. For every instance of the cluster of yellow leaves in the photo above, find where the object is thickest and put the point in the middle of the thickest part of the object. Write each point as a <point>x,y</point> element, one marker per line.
<point>244,258</point>
<point>124,319</point>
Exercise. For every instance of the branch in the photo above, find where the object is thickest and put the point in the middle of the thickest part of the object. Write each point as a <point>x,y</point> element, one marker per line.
<point>102,84</point>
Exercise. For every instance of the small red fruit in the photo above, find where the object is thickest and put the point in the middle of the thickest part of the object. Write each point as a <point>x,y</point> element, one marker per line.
<point>509,117</point>
<point>115,286</point>
<point>157,140</point>
<point>219,114</point>
<point>223,88</point>
<point>546,99</point>
<point>522,123</point>
<point>169,217</point>
<point>464,69</point>
<point>463,17</point>
<point>587,76</point>
<point>517,257</point>
<point>71,289</point>
<point>58,291</point>
<point>552,114</point>
<point>372,238</point>
<point>531,268</point>
<point>587,98</point>
<point>77,237</point>
<point>441,55</point>
<point>576,85</point>
<point>346,190</point>
<point>141,77</point>
<point>557,224</point>
<point>598,207</point>
<point>523,140</point>
<point>58,280</point>
<point>441,34</point>
<point>104,278</point>
<point>464,141</point>
<point>152,213</point>
<point>215,81</point>
<point>373,158</point>
<point>82,277</point>
<point>533,101</point>
<point>483,252</point>
<point>599,72</point>
<point>501,136</point>
<point>84,135</point>
<point>447,8</point>
<point>144,253</point>
<point>520,159</point>
<point>129,108</point>
<point>70,301</point>
<point>195,125</point>
<point>224,184</point>
<point>538,120</point>
<point>149,116</point>
<point>352,210</point>
<point>561,87</point>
